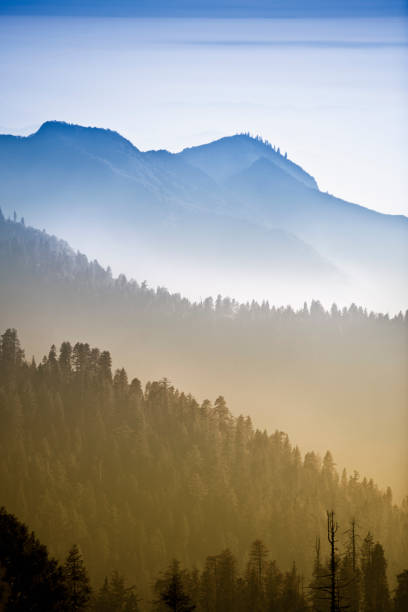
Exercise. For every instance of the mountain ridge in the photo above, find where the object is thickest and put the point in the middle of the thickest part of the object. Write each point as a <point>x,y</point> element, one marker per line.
<point>52,127</point>
<point>174,212</point>
<point>259,148</point>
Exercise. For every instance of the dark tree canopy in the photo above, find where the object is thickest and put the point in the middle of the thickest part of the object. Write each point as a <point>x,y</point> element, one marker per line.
<point>30,581</point>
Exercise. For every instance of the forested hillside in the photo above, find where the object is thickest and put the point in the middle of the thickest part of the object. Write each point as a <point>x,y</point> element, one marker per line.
<point>332,379</point>
<point>136,476</point>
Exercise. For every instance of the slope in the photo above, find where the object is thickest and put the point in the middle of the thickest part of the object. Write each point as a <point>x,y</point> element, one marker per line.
<point>136,476</point>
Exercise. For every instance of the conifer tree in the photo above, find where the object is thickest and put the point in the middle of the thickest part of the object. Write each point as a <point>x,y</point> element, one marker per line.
<point>226,582</point>
<point>171,591</point>
<point>102,601</point>
<point>77,580</point>
<point>256,575</point>
<point>293,599</point>
<point>401,593</point>
<point>115,596</point>
<point>376,597</point>
<point>208,585</point>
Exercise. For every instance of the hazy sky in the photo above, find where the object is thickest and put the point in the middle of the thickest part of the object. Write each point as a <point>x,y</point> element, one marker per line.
<point>330,92</point>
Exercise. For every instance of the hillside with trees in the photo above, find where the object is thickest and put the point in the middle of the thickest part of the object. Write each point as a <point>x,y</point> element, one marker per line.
<point>136,476</point>
<point>286,368</point>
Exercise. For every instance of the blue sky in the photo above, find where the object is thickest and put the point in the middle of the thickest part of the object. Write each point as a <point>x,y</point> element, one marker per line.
<point>191,8</point>
<point>330,92</point>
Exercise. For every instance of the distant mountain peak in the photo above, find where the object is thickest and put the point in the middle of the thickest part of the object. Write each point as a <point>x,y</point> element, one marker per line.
<point>55,129</point>
<point>229,155</point>
<point>256,139</point>
<point>55,125</point>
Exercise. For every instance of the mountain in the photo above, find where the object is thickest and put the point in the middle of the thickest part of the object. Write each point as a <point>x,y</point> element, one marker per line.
<point>333,379</point>
<point>138,475</point>
<point>228,156</point>
<point>252,222</point>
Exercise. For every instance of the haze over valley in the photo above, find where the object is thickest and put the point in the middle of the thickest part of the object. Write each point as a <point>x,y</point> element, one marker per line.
<point>252,221</point>
<point>337,376</point>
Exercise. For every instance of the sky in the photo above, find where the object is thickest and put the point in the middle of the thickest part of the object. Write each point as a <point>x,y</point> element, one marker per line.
<point>207,8</point>
<point>332,92</point>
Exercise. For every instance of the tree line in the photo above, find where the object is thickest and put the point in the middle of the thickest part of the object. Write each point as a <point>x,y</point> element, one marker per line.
<point>31,580</point>
<point>46,258</point>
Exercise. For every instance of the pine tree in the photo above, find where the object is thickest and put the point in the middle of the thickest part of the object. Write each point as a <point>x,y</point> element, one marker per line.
<point>273,587</point>
<point>208,585</point>
<point>226,582</point>
<point>376,597</point>
<point>401,593</point>
<point>102,601</point>
<point>256,576</point>
<point>115,596</point>
<point>77,580</point>
<point>171,591</point>
<point>11,354</point>
<point>292,597</point>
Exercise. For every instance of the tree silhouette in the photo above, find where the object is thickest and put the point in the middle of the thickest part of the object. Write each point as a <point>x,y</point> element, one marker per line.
<point>29,579</point>
<point>401,592</point>
<point>256,574</point>
<point>76,577</point>
<point>376,597</point>
<point>171,591</point>
<point>115,596</point>
<point>332,528</point>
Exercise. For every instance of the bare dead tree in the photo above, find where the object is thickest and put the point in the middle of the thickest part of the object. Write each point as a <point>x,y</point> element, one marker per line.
<point>332,528</point>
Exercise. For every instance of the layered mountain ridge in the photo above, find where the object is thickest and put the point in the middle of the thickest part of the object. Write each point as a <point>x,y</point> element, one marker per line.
<point>252,222</point>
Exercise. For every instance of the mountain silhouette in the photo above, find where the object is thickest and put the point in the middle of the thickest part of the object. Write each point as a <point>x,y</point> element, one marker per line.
<point>232,216</point>
<point>223,158</point>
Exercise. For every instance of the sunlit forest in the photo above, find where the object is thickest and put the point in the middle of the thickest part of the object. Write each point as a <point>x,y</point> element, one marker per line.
<point>137,476</point>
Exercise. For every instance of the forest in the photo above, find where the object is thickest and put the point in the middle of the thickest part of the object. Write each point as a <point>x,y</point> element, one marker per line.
<point>285,367</point>
<point>138,476</point>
